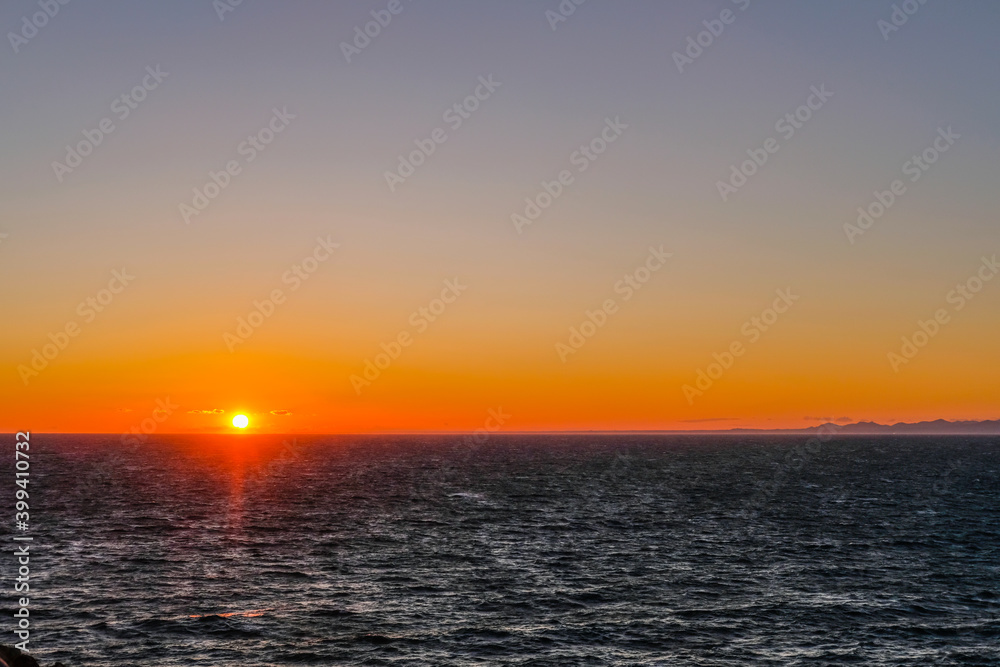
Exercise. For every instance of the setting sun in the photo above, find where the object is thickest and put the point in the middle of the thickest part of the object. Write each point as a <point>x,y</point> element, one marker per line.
<point>240,421</point>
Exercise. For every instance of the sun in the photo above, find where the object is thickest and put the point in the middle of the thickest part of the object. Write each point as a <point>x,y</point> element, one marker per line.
<point>240,421</point>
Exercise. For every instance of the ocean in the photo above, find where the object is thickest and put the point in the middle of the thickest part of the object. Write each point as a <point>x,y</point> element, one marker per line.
<point>518,550</point>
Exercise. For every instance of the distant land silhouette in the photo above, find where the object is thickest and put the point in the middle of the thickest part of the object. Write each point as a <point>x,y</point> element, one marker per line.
<point>936,427</point>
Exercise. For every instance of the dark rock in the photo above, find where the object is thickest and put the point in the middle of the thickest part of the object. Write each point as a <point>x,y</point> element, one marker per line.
<point>12,657</point>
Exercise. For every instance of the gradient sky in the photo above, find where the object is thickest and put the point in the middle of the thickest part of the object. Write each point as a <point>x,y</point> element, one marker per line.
<point>495,346</point>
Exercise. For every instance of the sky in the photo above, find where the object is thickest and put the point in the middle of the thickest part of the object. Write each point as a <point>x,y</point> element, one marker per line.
<point>640,215</point>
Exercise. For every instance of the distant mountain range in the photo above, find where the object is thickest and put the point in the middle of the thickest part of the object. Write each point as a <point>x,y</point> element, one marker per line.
<point>936,427</point>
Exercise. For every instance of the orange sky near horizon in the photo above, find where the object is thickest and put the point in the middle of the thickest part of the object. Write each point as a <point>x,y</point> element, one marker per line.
<point>317,295</point>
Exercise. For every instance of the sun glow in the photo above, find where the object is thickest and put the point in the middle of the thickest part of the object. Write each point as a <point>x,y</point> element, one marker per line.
<point>240,421</point>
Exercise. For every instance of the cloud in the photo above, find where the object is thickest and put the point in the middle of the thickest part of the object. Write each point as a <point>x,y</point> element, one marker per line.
<point>214,411</point>
<point>827,420</point>
<point>715,419</point>
<point>281,413</point>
